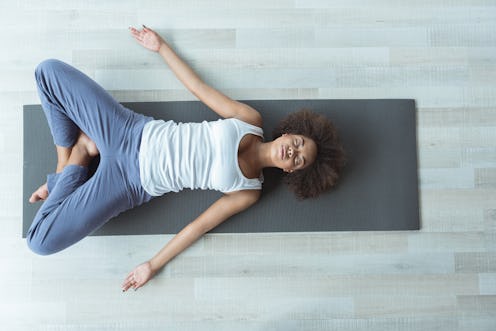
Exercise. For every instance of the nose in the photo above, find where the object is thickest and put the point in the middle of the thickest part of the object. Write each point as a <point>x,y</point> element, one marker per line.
<point>290,151</point>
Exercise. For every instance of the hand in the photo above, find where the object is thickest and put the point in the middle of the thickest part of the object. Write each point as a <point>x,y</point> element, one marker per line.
<point>138,277</point>
<point>147,38</point>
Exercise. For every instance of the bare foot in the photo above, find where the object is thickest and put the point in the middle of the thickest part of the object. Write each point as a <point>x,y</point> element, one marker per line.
<point>89,144</point>
<point>83,151</point>
<point>40,194</point>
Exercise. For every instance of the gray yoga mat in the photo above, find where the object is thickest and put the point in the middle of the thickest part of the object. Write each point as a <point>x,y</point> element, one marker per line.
<point>378,189</point>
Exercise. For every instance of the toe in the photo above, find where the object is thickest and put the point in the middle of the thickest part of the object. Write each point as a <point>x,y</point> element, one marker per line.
<point>40,194</point>
<point>33,198</point>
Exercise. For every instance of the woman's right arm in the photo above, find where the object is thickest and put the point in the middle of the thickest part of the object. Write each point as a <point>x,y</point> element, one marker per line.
<point>217,101</point>
<point>218,212</point>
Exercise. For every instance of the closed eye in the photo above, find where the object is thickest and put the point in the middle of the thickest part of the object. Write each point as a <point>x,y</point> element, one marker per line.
<point>299,161</point>
<point>298,142</point>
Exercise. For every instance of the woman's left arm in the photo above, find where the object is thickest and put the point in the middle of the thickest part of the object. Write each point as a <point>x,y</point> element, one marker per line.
<point>218,212</point>
<point>216,100</point>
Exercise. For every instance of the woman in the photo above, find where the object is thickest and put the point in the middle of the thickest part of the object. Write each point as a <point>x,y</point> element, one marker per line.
<point>141,158</point>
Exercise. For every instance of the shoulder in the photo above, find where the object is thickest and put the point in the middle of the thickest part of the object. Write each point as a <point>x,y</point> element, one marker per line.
<point>244,198</point>
<point>248,115</point>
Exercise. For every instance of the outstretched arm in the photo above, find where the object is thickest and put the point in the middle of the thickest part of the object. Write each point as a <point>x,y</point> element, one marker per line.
<point>218,102</point>
<point>217,213</point>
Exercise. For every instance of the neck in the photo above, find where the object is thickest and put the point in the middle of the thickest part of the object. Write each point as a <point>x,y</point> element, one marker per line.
<point>261,155</point>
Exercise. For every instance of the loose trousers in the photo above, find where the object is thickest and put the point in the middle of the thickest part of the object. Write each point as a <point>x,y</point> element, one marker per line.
<point>77,206</point>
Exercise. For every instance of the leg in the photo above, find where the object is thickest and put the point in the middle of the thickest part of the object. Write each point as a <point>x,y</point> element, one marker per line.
<point>73,102</point>
<point>80,154</point>
<point>76,207</point>
<point>63,91</point>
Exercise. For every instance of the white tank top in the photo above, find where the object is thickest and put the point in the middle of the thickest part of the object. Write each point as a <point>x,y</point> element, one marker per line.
<point>203,155</point>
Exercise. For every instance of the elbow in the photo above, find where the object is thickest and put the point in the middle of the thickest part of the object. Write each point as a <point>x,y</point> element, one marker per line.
<point>258,119</point>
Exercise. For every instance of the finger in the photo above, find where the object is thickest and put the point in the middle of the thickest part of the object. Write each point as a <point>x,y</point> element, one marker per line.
<point>128,279</point>
<point>138,39</point>
<point>130,275</point>
<point>138,36</point>
<point>125,282</point>
<point>127,288</point>
<point>126,285</point>
<point>138,285</point>
<point>135,32</point>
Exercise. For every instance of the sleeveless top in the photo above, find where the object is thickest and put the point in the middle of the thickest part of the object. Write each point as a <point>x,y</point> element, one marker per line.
<point>202,155</point>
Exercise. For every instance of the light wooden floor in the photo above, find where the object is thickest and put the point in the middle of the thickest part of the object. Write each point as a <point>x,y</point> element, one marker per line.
<point>442,53</point>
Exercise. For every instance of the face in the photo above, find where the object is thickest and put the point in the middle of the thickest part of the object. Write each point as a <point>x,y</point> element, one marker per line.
<point>292,152</point>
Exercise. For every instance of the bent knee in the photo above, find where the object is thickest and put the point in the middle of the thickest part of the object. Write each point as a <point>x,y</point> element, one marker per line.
<point>47,66</point>
<point>39,247</point>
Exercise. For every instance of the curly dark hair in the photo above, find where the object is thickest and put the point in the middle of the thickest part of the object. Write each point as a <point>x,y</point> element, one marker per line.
<point>324,172</point>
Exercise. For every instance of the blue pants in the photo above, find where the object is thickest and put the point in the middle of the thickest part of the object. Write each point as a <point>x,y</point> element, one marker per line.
<point>77,206</point>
